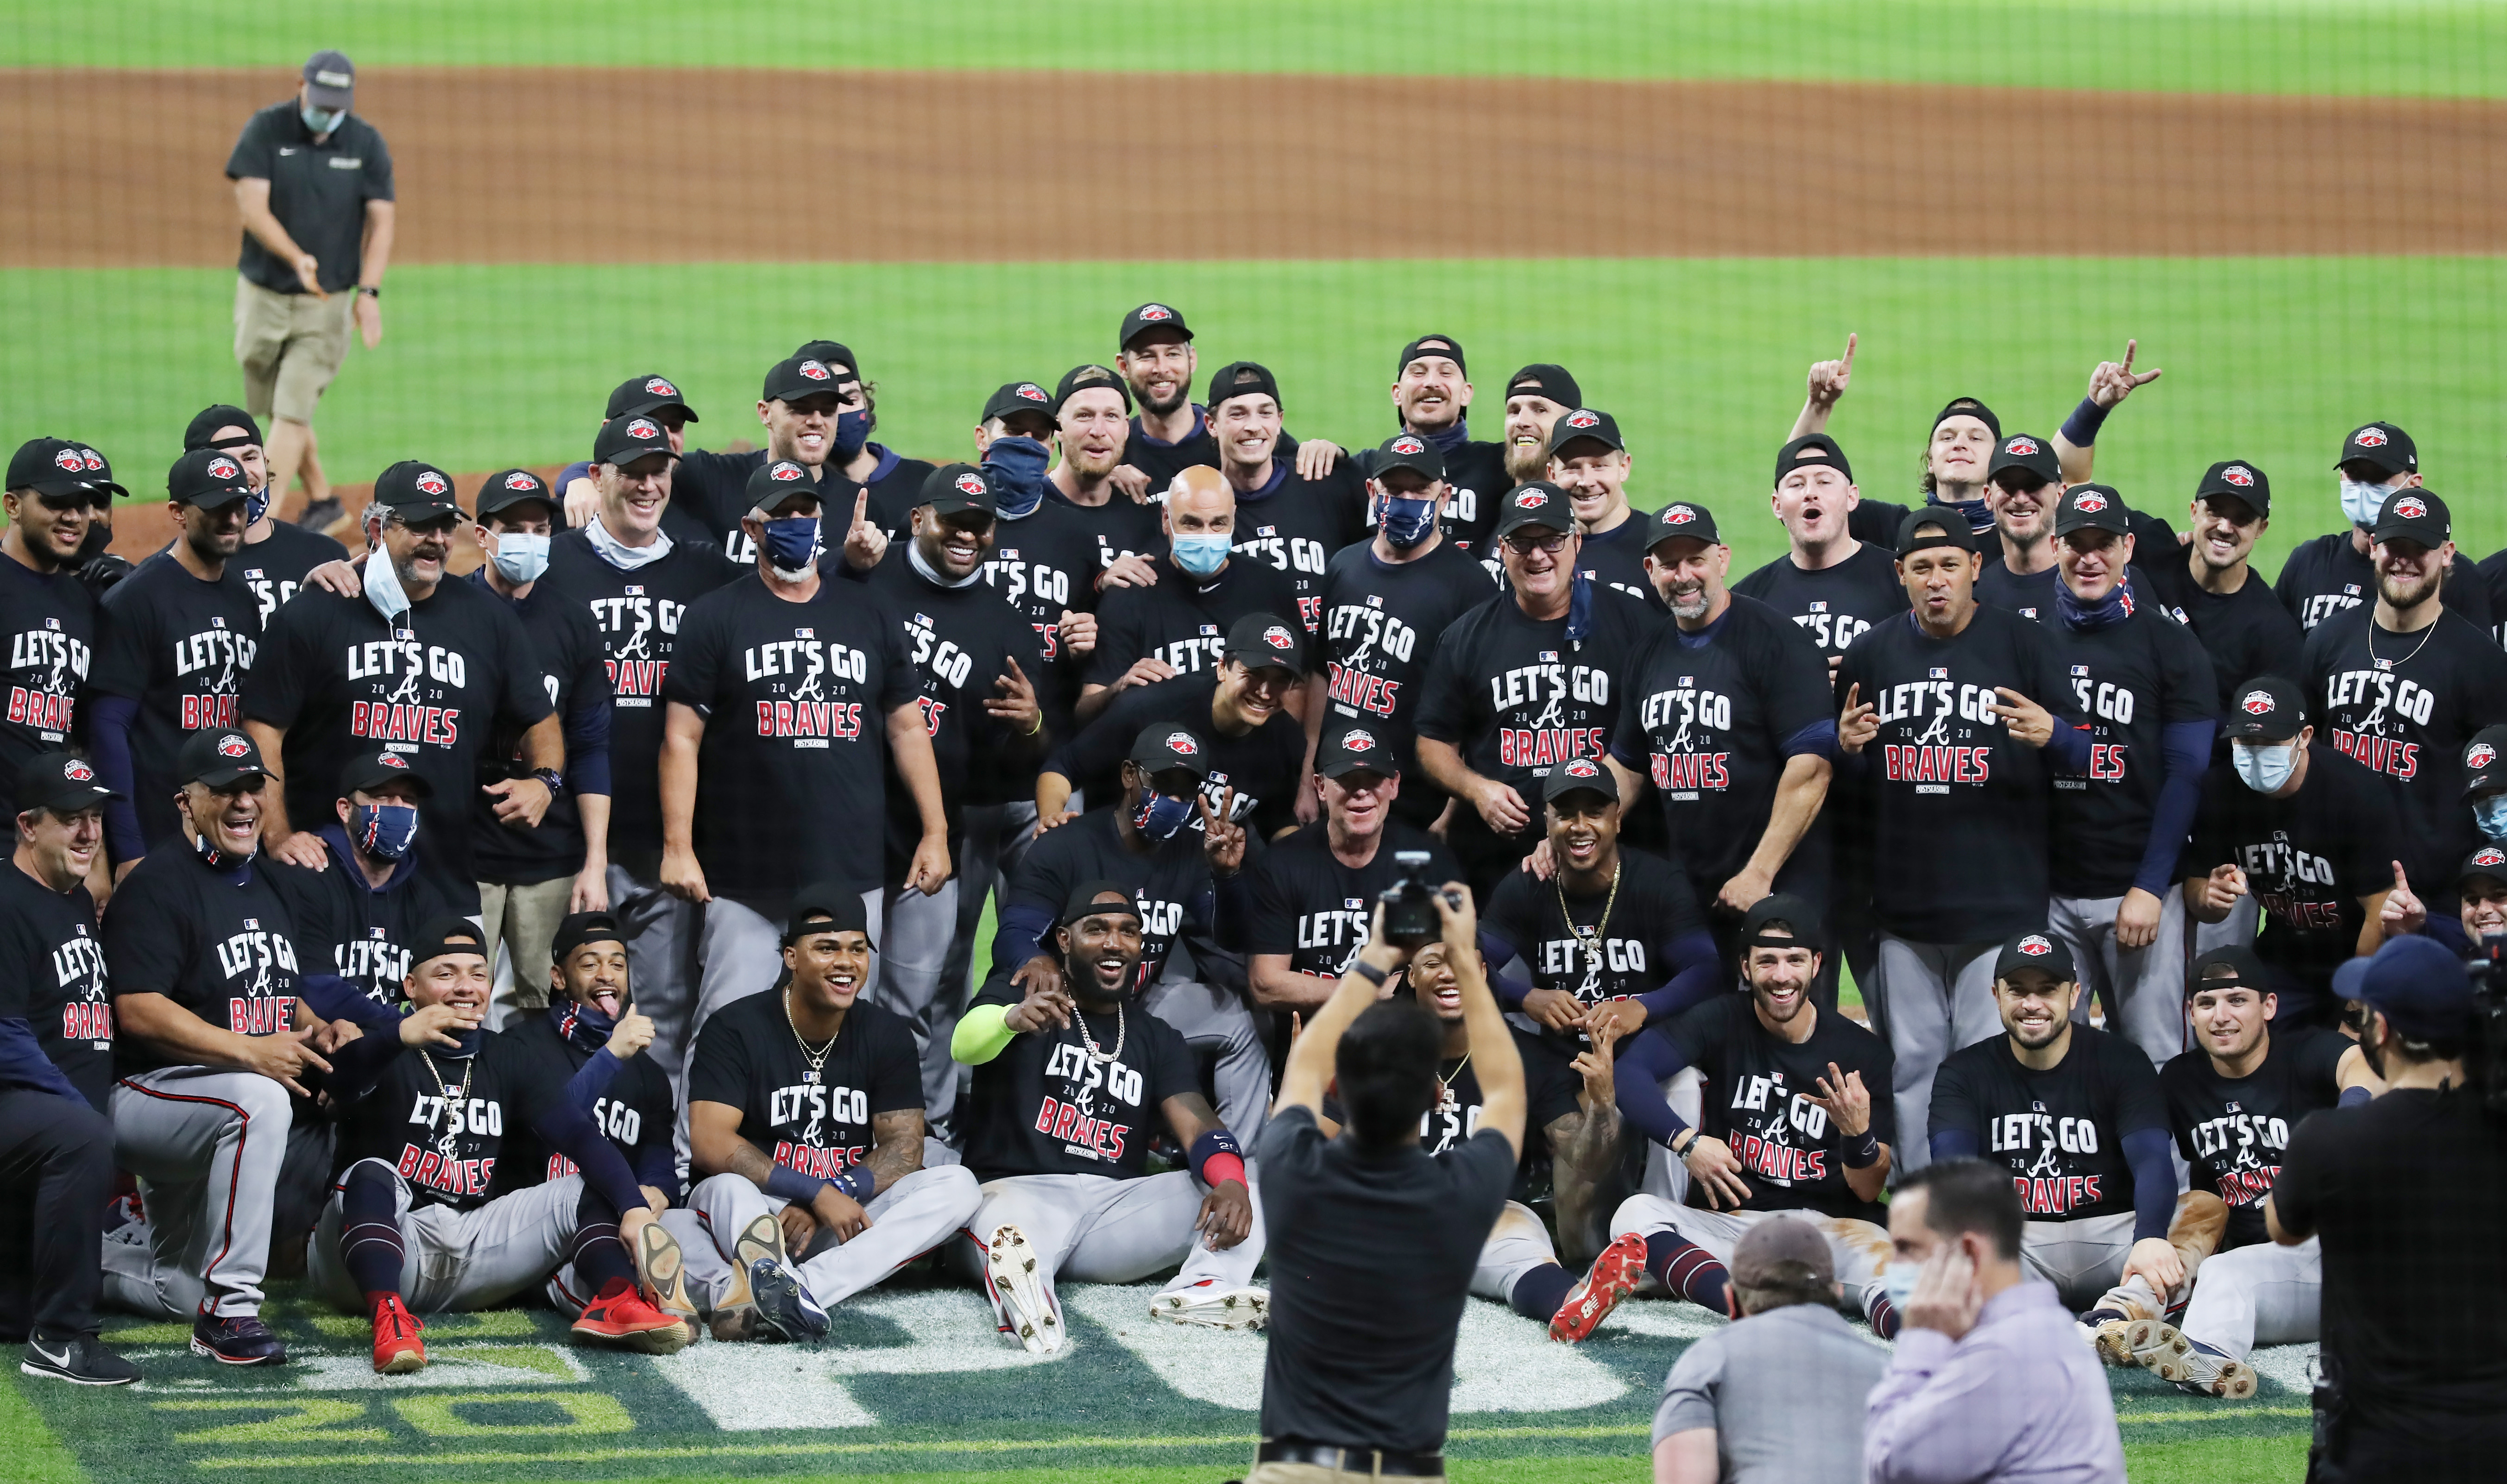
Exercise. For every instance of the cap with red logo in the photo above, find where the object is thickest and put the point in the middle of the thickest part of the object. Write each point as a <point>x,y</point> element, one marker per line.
<point>774,484</point>
<point>2382,446</point>
<point>2484,762</point>
<point>1264,641</point>
<point>1163,745</point>
<point>1015,397</point>
<point>2092,507</point>
<point>220,757</point>
<point>508,488</point>
<point>2267,708</point>
<point>1352,749</point>
<point>1538,503</point>
<point>1585,424</point>
<point>59,466</point>
<point>2029,453</point>
<point>1152,316</point>
<point>2488,861</point>
<point>1582,775</point>
<point>2038,951</point>
<point>418,492</point>
<point>2412,515</point>
<point>802,376</point>
<point>648,396</point>
<point>1682,518</point>
<point>622,441</point>
<point>954,489</point>
<point>373,772</point>
<point>208,479</point>
<point>61,782</point>
<point>1407,451</point>
<point>2239,479</point>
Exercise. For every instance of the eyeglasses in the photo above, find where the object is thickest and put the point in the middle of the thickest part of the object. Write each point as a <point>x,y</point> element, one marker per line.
<point>1525,545</point>
<point>441,525</point>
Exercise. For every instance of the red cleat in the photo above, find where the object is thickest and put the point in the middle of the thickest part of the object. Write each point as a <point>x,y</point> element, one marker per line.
<point>1613,1277</point>
<point>398,1351</point>
<point>620,1315</point>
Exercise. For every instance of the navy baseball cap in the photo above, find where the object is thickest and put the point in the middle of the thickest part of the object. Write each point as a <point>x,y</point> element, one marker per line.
<point>2037,951</point>
<point>1431,345</point>
<point>2028,451</point>
<point>2244,971</point>
<point>61,781</point>
<point>1084,902</point>
<point>1352,749</point>
<point>59,466</point>
<point>2412,515</point>
<point>1089,378</point>
<point>1017,397</point>
<point>576,929</point>
<point>1262,641</point>
<point>2489,860</point>
<point>956,488</point>
<point>1681,517</point>
<point>2239,480</point>
<point>834,354</point>
<point>1538,503</point>
<point>802,376</point>
<point>2484,762</point>
<point>508,488</point>
<point>1148,317</point>
<point>1242,378</point>
<point>418,492</point>
<point>1968,407</point>
<point>2420,987</point>
<point>2092,507</point>
<point>330,79</point>
<point>202,432</point>
<point>622,441</point>
<point>1812,450</point>
<point>643,396</point>
<point>220,757</point>
<point>1406,450</point>
<point>210,479</point>
<point>1799,917</point>
<point>2382,445</point>
<point>826,908</point>
<point>2268,709</point>
<point>1543,380</point>
<point>770,485</point>
<point>1585,424</point>
<point>1580,774</point>
<point>1949,528</point>
<point>1163,745</point>
<point>381,768</point>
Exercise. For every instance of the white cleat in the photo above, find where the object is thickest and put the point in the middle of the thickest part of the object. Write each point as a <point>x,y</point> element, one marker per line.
<point>2108,1337</point>
<point>2207,1373</point>
<point>2153,1342</point>
<point>1028,1312</point>
<point>1211,1307</point>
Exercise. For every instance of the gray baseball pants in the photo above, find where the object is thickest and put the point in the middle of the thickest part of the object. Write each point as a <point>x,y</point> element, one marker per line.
<point>1517,1245</point>
<point>2143,989</point>
<point>458,1259</point>
<point>1859,1249</point>
<point>1094,1228</point>
<point>913,983</point>
<point>206,1145</point>
<point>660,964</point>
<point>2263,1294</point>
<point>1929,1000</point>
<point>1214,1020</point>
<point>921,1212</point>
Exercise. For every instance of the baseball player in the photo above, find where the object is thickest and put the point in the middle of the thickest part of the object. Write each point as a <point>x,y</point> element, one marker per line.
<point>55,1077</point>
<point>1091,415</point>
<point>1285,517</point>
<point>2148,688</point>
<point>2216,592</point>
<point>1535,398</point>
<point>1154,352</point>
<point>416,1216</point>
<point>1802,1126</point>
<point>358,915</point>
<point>858,465</point>
<point>1589,459</point>
<point>1175,625</point>
<point>654,399</point>
<point>1066,1092</point>
<point>1432,393</point>
<point>1828,582</point>
<point>805,1121</point>
<point>210,1040</point>
<point>277,557</point>
<point>800,406</point>
<point>2233,1100</point>
<point>57,492</point>
<point>2076,1115</point>
<point>2332,574</point>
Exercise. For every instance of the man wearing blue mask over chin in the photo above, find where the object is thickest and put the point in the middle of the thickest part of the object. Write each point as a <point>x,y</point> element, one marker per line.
<point>357,915</point>
<point>1178,625</point>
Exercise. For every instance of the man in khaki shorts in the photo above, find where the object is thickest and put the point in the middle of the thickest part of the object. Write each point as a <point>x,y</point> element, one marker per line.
<point>314,185</point>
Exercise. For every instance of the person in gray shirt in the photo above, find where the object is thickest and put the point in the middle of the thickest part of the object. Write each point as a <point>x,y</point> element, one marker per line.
<point>1776,1398</point>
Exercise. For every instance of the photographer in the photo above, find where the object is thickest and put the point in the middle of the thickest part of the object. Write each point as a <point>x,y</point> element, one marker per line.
<point>2406,1194</point>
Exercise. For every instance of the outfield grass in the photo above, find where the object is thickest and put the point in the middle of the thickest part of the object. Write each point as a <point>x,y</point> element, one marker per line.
<point>2408,48</point>
<point>2271,360</point>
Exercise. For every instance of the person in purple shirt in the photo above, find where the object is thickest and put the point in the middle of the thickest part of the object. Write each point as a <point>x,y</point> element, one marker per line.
<point>1990,1381</point>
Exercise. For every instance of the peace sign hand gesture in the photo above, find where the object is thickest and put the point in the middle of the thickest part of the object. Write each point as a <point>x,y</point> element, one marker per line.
<point>2114,380</point>
<point>1222,840</point>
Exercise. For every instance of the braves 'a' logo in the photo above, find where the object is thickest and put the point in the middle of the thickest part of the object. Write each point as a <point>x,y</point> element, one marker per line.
<point>2239,475</point>
<point>2049,1163</point>
<point>2257,703</point>
<point>2371,437</point>
<point>1583,419</point>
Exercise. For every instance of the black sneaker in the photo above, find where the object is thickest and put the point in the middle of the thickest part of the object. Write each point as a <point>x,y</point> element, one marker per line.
<point>319,515</point>
<point>80,1361</point>
<point>244,1340</point>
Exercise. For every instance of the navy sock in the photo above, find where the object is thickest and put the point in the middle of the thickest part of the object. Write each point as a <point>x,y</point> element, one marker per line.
<point>1688,1270</point>
<point>601,1257</point>
<point>1538,1293</point>
<point>369,1242</point>
<point>1883,1316</point>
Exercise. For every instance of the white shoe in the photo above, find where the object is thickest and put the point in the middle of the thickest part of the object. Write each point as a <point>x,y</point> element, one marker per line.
<point>2207,1373</point>
<point>1212,1307</point>
<point>1028,1311</point>
<point>2153,1342</point>
<point>2107,1338</point>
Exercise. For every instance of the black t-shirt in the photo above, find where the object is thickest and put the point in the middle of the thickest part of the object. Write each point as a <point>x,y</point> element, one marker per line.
<point>2493,577</point>
<point>274,566</point>
<point>342,927</point>
<point>1834,604</point>
<point>795,765</point>
<point>58,981</point>
<point>1317,911</point>
<point>443,1121</point>
<point>51,624</point>
<point>1381,625</point>
<point>635,1114</point>
<point>1296,525</point>
<point>318,192</point>
<point>2405,706</point>
<point>1183,619</point>
<point>637,616</point>
<point>817,1122</point>
<point>218,943</point>
<point>895,487</point>
<point>1171,884</point>
<point>2030,595</point>
<point>2134,680</point>
<point>180,647</point>
<point>1475,480</point>
<point>1958,808</point>
<point>574,674</point>
<point>1121,526</point>
<point>708,496</point>
<point>2246,633</point>
<point>433,686</point>
<point>959,640</point>
<point>1346,1368</point>
<point>1044,563</point>
<point>1654,909</point>
<point>1048,1105</point>
<point>2060,1131</point>
<point>1162,460</point>
<point>1261,766</point>
<point>2308,858</point>
<point>1616,558</point>
<point>2408,1195</point>
<point>1760,1099</point>
<point>2234,1131</point>
<point>1519,697</point>
<point>1708,722</point>
<point>2327,576</point>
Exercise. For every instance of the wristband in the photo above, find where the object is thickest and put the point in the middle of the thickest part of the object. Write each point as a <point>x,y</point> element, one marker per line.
<point>2081,428</point>
<point>1370,972</point>
<point>1862,1150</point>
<point>791,1186</point>
<point>858,1184</point>
<point>1217,1158</point>
<point>1679,1150</point>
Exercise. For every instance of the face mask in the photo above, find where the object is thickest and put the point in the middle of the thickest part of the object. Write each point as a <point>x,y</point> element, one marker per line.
<point>2265,769</point>
<point>383,583</point>
<point>792,546</point>
<point>385,831</point>
<point>583,1024</point>
<point>1979,518</point>
<point>852,431</point>
<point>1160,816</point>
<point>255,506</point>
<point>1202,555</point>
<point>1016,466</point>
<point>321,121</point>
<point>521,557</point>
<point>2491,814</point>
<point>218,861</point>
<point>2361,502</point>
<point>2088,618</point>
<point>469,1046</point>
<point>1409,522</point>
<point>1899,1278</point>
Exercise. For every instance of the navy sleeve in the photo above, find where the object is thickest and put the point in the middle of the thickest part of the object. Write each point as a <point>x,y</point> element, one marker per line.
<point>591,1080</point>
<point>589,709</point>
<point>2154,1183</point>
<point>109,729</point>
<point>1649,1060</point>
<point>1955,1115</point>
<point>2186,745</point>
<point>1099,746</point>
<point>570,1131</point>
<point>23,1063</point>
<point>335,998</point>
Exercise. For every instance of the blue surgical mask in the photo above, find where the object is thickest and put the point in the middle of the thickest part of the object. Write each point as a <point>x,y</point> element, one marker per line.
<point>521,557</point>
<point>2360,503</point>
<point>792,546</point>
<point>1016,467</point>
<point>853,432</point>
<point>383,592</point>
<point>1408,522</point>
<point>2490,815</point>
<point>1202,554</point>
<point>1900,1279</point>
<point>385,831</point>
<point>2264,768</point>
<point>1159,816</point>
<point>321,121</point>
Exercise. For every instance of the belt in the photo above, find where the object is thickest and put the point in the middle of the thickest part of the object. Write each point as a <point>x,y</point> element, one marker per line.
<point>1369,1462</point>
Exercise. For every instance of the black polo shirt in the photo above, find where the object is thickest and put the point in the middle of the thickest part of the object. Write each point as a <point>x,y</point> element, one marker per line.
<point>318,192</point>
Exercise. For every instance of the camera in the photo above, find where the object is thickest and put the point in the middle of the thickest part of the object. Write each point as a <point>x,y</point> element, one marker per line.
<point>1410,917</point>
<point>2486,1057</point>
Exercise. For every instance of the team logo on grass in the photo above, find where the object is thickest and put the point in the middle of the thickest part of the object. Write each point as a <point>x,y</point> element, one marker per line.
<point>1277,637</point>
<point>1582,419</point>
<point>2035,946</point>
<point>231,746</point>
<point>431,483</point>
<point>224,468</point>
<point>2089,504</point>
<point>812,370</point>
<point>1182,743</point>
<point>2023,445</point>
<point>518,480</point>
<point>68,459</point>
<point>644,428</point>
<point>2480,755</point>
<point>2371,437</point>
<point>1031,393</point>
<point>2257,702</point>
<point>2409,507</point>
<point>76,771</point>
<point>971,486</point>
<point>2239,475</point>
<point>656,387</point>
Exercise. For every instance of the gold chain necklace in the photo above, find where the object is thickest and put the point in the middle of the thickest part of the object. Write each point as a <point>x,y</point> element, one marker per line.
<point>1445,1084</point>
<point>1590,937</point>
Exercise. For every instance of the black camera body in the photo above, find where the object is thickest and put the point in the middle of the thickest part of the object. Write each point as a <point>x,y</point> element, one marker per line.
<point>1410,917</point>
<point>2488,971</point>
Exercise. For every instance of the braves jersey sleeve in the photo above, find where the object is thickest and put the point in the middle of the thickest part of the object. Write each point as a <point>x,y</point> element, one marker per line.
<point>809,1106</point>
<point>1082,1099</point>
<point>57,984</point>
<point>218,944</point>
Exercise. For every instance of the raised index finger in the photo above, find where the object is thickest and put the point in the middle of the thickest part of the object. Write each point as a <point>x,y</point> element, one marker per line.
<point>862,507</point>
<point>1849,351</point>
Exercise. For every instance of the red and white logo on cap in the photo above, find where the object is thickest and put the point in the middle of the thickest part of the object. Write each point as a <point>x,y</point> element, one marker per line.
<point>2371,437</point>
<point>1356,740</point>
<point>783,472</point>
<point>1529,499</point>
<point>2490,856</point>
<point>1031,393</point>
<point>812,370</point>
<point>1581,767</point>
<point>2480,755</point>
<point>1277,637</point>
<point>2239,475</point>
<point>2257,703</point>
<point>224,468</point>
<point>1182,743</point>
<point>519,479</point>
<point>1679,515</point>
<point>1154,311</point>
<point>2409,507</point>
<point>2023,445</point>
<point>93,460</point>
<point>68,459</point>
<point>1583,419</point>
<point>431,483</point>
<point>657,387</point>
<point>1405,444</point>
<point>76,771</point>
<point>2089,504</point>
<point>971,486</point>
<point>2035,946</point>
<point>391,760</point>
<point>231,746</point>
<point>643,429</point>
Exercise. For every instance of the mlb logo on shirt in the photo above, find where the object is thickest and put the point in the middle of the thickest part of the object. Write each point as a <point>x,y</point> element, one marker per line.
<point>2028,613</point>
<point>2036,1107</point>
<point>923,621</point>
<point>252,571</point>
<point>2080,669</point>
<point>1940,672</point>
<point>998,555</point>
<point>2351,588</point>
<point>403,634</point>
<point>1375,600</point>
<point>1218,778</point>
<point>216,622</point>
<point>1209,629</point>
<point>1550,657</point>
<point>635,590</point>
<point>1266,530</point>
<point>1819,605</point>
<point>374,932</point>
<point>52,622</point>
<point>1352,902</point>
<point>805,633</point>
<point>1687,680</point>
<point>253,922</point>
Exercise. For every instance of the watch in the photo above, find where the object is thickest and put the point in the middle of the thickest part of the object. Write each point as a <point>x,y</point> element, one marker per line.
<point>371,291</point>
<point>555,779</point>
